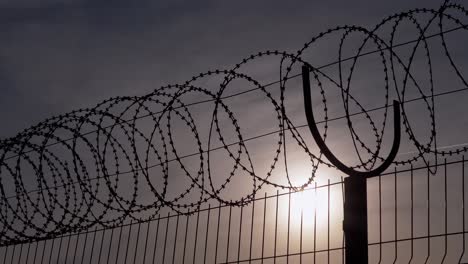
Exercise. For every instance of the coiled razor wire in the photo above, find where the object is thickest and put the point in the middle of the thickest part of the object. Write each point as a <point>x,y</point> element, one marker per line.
<point>77,172</point>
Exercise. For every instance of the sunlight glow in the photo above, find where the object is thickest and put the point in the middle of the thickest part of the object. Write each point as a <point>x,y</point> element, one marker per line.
<point>318,207</point>
<point>312,204</point>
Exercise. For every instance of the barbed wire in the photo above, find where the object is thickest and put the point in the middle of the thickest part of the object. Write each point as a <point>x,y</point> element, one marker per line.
<point>443,153</point>
<point>76,171</point>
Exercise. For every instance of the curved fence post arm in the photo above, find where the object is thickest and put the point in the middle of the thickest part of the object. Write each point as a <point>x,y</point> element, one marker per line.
<point>326,151</point>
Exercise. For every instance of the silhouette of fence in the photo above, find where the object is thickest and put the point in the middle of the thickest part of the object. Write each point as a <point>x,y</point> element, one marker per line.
<point>82,187</point>
<point>414,217</point>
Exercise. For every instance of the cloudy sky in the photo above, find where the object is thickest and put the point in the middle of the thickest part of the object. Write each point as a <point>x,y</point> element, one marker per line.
<point>57,56</point>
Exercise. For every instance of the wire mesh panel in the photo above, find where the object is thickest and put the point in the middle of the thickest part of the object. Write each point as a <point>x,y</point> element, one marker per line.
<point>415,216</point>
<point>292,227</point>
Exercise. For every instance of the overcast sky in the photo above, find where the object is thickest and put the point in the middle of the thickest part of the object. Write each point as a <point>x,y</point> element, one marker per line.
<point>60,55</point>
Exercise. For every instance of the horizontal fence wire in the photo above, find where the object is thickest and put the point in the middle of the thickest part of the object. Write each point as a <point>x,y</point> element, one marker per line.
<point>414,217</point>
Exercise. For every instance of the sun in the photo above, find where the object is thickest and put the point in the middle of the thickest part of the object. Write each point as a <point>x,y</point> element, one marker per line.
<point>318,206</point>
<point>310,205</point>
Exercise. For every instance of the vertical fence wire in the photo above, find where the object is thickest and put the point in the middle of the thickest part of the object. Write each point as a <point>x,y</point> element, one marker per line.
<point>175,240</point>
<point>463,210</point>
<point>428,215</point>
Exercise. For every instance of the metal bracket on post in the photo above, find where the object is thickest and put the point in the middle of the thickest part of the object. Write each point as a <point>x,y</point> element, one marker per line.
<point>355,207</point>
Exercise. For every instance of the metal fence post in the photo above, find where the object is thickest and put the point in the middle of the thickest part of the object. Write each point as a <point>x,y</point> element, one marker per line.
<point>355,220</point>
<point>355,207</point>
